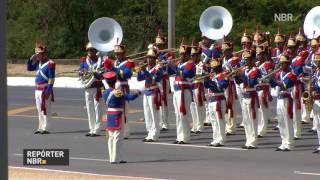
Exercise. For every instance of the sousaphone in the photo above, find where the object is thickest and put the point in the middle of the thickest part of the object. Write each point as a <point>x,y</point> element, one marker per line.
<point>312,23</point>
<point>215,22</point>
<point>104,33</point>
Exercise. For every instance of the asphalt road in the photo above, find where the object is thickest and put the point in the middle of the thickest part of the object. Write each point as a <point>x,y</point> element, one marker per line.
<point>161,160</point>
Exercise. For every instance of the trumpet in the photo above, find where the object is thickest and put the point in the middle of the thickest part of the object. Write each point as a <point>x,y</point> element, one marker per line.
<point>201,77</point>
<point>264,43</point>
<point>158,63</point>
<point>269,75</point>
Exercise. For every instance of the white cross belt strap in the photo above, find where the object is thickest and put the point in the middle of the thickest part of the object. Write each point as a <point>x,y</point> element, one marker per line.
<point>41,72</point>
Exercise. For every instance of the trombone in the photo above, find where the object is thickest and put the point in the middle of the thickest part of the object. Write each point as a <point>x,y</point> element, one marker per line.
<point>144,52</point>
<point>270,74</point>
<point>229,75</point>
<point>158,63</point>
<point>264,43</point>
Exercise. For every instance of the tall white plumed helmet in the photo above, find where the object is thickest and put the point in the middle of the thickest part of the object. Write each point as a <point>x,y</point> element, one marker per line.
<point>215,22</point>
<point>104,33</point>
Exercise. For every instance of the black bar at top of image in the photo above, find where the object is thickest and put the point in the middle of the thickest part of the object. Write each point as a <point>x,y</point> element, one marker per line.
<point>3,94</point>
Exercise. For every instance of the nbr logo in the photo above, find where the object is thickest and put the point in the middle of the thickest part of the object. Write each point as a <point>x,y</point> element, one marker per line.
<point>283,17</point>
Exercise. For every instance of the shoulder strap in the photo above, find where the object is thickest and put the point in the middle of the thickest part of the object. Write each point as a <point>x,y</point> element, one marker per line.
<point>109,98</point>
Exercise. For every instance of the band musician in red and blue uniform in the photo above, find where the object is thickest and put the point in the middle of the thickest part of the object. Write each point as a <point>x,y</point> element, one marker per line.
<point>115,103</point>
<point>44,81</point>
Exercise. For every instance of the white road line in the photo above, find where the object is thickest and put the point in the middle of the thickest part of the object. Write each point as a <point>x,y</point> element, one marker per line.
<point>197,146</point>
<point>76,158</point>
<point>306,173</point>
<point>80,173</point>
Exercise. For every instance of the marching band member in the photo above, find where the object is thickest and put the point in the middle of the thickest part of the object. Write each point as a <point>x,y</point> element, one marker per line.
<point>217,104</point>
<point>206,55</point>
<point>311,62</point>
<point>44,81</point>
<point>291,49</point>
<point>298,66</point>
<point>123,68</point>
<point>93,93</point>
<point>258,37</point>
<point>182,96</point>
<point>276,52</point>
<point>197,107</point>
<point>152,75</point>
<point>285,80</point>
<point>115,103</point>
<point>302,46</point>
<point>249,75</point>
<point>160,42</point>
<point>279,40</point>
<point>316,97</point>
<point>230,62</point>
<point>246,43</point>
<point>263,89</point>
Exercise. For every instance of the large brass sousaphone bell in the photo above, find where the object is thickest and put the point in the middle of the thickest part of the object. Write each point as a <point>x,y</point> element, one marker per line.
<point>311,25</point>
<point>215,22</point>
<point>103,34</point>
<point>311,28</point>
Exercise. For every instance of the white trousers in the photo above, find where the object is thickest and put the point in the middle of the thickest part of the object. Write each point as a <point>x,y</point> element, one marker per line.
<point>218,124</point>
<point>115,141</point>
<point>250,124</point>
<point>43,119</point>
<point>231,124</point>
<point>240,99</point>
<point>197,113</point>
<point>151,116</point>
<point>94,110</point>
<point>207,114</point>
<point>316,117</point>
<point>315,123</point>
<point>296,120</point>
<point>305,114</point>
<point>182,121</point>
<point>285,124</point>
<point>263,115</point>
<point>164,113</point>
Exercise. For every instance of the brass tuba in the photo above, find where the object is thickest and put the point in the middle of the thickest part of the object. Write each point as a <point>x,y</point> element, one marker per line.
<point>104,33</point>
<point>215,22</point>
<point>311,28</point>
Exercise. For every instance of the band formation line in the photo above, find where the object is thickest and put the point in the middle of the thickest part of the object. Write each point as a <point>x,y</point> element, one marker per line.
<point>210,81</point>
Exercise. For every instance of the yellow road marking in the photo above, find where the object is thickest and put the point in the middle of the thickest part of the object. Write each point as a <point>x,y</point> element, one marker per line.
<point>20,110</point>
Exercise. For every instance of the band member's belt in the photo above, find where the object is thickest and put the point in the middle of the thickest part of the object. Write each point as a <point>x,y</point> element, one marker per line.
<point>261,86</point>
<point>151,87</point>
<point>214,98</point>
<point>183,82</point>
<point>283,95</point>
<point>122,82</point>
<point>115,109</point>
<point>40,86</point>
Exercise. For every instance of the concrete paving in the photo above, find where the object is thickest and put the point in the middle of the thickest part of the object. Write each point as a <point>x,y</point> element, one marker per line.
<point>162,160</point>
